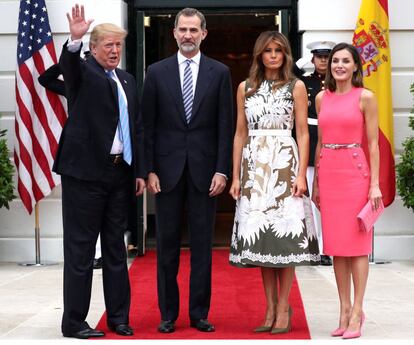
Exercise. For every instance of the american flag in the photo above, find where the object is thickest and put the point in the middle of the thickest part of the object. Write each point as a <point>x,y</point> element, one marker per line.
<point>40,114</point>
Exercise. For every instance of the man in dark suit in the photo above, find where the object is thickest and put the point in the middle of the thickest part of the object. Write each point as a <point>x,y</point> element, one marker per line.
<point>100,156</point>
<point>315,82</point>
<point>49,79</point>
<point>187,111</point>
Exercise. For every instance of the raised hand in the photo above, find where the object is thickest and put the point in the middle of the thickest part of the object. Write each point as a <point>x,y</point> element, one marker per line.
<point>78,26</point>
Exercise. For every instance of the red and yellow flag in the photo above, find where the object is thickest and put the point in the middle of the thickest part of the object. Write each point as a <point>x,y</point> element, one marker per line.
<point>371,38</point>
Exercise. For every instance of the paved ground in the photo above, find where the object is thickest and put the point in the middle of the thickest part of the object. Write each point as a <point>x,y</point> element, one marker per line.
<point>31,302</point>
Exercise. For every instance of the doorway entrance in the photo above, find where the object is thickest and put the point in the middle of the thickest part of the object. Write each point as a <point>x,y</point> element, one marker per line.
<point>230,43</point>
<point>230,40</point>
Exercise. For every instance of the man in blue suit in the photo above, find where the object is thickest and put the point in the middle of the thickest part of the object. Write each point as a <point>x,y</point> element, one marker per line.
<point>188,119</point>
<point>101,159</point>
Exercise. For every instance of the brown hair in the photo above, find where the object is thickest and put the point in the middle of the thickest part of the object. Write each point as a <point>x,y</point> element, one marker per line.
<point>357,76</point>
<point>190,12</point>
<point>257,69</point>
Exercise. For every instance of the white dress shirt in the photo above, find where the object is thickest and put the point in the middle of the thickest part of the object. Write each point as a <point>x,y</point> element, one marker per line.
<point>195,66</point>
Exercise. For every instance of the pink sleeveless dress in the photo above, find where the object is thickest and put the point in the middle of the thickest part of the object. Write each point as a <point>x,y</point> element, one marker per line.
<point>344,175</point>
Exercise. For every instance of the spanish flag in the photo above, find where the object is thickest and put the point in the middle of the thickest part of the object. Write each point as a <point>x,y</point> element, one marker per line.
<point>371,38</point>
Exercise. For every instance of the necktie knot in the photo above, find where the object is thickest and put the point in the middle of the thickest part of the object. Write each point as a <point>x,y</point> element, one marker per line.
<point>110,74</point>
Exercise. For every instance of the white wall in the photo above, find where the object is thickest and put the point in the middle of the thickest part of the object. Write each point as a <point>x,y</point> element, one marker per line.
<point>320,19</point>
<point>335,21</point>
<point>16,226</point>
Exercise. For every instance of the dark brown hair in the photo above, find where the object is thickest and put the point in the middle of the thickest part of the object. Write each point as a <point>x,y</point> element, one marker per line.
<point>190,12</point>
<point>356,76</point>
<point>257,69</point>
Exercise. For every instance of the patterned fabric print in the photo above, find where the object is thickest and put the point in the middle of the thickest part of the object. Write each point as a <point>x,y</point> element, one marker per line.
<point>266,109</point>
<point>271,227</point>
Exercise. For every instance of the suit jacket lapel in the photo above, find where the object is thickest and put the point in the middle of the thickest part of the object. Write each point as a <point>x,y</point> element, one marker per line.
<point>172,76</point>
<point>128,93</point>
<point>203,81</point>
<point>124,84</point>
<point>99,69</point>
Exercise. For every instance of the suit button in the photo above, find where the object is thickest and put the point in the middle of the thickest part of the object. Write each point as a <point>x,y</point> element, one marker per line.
<point>365,175</point>
<point>355,154</point>
<point>359,165</point>
<point>317,165</point>
<point>320,155</point>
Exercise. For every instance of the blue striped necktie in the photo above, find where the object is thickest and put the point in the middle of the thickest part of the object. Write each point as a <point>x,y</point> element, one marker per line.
<point>123,125</point>
<point>188,91</point>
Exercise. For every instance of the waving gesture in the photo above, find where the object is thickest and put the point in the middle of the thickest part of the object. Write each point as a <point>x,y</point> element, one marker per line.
<point>77,24</point>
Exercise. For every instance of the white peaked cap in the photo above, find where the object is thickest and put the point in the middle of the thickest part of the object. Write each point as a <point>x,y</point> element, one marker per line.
<point>320,46</point>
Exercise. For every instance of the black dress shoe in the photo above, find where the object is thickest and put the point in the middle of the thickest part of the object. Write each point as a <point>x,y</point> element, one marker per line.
<point>122,329</point>
<point>202,325</point>
<point>97,263</point>
<point>326,260</point>
<point>166,326</point>
<point>85,334</point>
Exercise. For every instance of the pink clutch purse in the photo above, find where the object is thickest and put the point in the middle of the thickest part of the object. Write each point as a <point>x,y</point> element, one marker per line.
<point>367,216</point>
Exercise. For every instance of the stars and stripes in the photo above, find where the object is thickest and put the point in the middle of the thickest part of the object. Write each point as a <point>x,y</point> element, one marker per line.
<point>40,114</point>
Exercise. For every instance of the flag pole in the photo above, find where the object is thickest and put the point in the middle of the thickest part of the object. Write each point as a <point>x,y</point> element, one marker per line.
<point>37,262</point>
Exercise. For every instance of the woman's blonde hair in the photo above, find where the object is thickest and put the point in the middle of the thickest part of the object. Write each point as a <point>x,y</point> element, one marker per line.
<point>257,69</point>
<point>104,29</point>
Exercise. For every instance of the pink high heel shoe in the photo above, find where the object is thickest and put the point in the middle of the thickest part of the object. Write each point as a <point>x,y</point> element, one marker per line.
<point>339,332</point>
<point>355,334</point>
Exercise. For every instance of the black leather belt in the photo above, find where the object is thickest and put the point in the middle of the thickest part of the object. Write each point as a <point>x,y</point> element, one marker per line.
<point>116,159</point>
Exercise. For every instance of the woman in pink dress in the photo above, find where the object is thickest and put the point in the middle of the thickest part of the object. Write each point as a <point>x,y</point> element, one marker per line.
<point>344,181</point>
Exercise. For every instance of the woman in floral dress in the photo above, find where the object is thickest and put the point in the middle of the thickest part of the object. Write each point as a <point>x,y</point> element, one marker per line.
<point>273,225</point>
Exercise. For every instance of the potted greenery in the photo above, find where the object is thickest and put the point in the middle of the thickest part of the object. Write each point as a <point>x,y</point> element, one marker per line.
<point>405,168</point>
<point>6,173</point>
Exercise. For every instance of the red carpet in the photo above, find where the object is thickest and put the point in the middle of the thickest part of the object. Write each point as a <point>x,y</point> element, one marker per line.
<point>237,305</point>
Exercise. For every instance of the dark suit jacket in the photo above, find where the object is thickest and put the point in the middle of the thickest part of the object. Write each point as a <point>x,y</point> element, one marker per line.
<point>87,137</point>
<point>49,79</point>
<point>205,144</point>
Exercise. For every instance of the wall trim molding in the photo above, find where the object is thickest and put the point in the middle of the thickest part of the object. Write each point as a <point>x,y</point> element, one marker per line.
<point>23,249</point>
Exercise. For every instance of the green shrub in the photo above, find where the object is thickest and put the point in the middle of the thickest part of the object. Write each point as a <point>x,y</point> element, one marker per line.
<point>6,173</point>
<point>405,168</point>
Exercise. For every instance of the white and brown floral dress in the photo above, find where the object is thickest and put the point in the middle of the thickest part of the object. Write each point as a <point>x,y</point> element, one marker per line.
<point>271,228</point>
